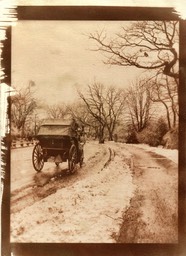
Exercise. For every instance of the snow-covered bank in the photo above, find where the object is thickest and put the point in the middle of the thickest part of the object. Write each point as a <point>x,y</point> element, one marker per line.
<point>89,210</point>
<point>91,205</point>
<point>171,154</point>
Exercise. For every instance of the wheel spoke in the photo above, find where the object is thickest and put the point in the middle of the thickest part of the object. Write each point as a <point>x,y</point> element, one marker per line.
<point>72,159</point>
<point>37,157</point>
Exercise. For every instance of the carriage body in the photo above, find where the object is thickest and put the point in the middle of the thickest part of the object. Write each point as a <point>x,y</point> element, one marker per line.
<point>58,143</point>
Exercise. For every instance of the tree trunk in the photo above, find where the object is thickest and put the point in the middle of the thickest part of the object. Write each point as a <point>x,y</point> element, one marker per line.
<point>101,135</point>
<point>174,116</point>
<point>168,119</point>
<point>110,136</point>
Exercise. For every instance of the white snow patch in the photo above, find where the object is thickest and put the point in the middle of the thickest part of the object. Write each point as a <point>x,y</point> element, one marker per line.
<point>89,211</point>
<point>171,154</point>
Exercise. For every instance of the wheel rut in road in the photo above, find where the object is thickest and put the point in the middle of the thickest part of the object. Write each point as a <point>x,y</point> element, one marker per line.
<point>153,213</point>
<point>94,197</point>
<point>120,204</point>
<point>48,182</point>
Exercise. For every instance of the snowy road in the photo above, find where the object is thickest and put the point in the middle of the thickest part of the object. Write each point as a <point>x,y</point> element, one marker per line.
<point>154,208</point>
<point>110,200</point>
<point>22,171</point>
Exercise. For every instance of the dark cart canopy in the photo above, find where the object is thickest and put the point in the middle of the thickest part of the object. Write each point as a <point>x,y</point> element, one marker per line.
<point>55,127</point>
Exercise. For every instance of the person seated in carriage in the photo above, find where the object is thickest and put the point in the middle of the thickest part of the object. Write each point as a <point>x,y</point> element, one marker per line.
<point>77,131</point>
<point>74,128</point>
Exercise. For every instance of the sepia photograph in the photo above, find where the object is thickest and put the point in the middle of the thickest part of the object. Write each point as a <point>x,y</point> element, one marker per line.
<point>94,131</point>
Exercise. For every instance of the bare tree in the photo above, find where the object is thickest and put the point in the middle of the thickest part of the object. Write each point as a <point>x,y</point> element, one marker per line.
<point>22,106</point>
<point>164,90</point>
<point>94,104</point>
<point>105,105</point>
<point>144,44</point>
<point>139,105</point>
<point>115,100</point>
<point>79,111</point>
<point>56,111</point>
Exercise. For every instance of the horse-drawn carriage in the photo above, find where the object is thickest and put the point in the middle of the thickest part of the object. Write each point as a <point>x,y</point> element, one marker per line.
<point>58,141</point>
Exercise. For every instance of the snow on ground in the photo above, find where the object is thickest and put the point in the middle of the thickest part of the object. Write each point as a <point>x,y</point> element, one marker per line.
<point>90,210</point>
<point>171,154</point>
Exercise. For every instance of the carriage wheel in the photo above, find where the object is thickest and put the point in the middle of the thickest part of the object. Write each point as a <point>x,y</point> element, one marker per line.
<point>37,157</point>
<point>72,160</point>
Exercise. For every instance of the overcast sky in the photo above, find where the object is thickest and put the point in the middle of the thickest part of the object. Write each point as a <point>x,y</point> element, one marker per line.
<point>56,55</point>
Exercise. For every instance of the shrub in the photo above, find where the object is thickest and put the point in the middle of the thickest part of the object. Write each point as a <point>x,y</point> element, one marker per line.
<point>162,127</point>
<point>170,139</point>
<point>132,137</point>
<point>153,134</point>
<point>148,136</point>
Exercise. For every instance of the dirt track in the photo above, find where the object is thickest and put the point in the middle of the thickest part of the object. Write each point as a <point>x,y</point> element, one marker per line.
<point>111,199</point>
<point>153,215</point>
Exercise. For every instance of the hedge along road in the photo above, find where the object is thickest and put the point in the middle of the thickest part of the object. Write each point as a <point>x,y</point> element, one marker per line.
<point>105,201</point>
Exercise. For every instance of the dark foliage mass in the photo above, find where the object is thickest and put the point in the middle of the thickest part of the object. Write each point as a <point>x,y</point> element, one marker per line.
<point>154,133</point>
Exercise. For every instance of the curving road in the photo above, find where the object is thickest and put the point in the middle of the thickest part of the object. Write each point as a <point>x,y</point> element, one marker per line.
<point>124,193</point>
